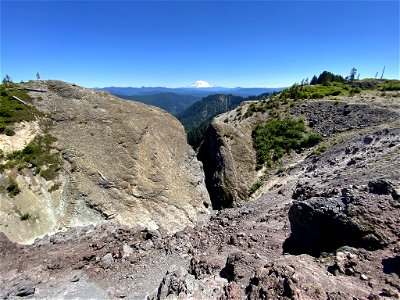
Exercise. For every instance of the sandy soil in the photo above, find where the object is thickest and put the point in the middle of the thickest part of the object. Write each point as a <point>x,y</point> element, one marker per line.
<point>24,133</point>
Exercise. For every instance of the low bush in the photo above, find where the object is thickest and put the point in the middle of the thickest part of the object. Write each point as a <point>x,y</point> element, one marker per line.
<point>311,140</point>
<point>256,186</point>
<point>54,187</point>
<point>13,188</point>
<point>253,108</point>
<point>277,137</point>
<point>25,216</point>
<point>13,111</point>
<point>36,155</point>
<point>391,87</point>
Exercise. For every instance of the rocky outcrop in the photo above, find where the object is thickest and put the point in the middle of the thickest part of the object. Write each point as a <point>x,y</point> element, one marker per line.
<point>229,160</point>
<point>330,117</point>
<point>227,152</point>
<point>325,224</point>
<point>179,284</point>
<point>331,213</point>
<point>122,161</point>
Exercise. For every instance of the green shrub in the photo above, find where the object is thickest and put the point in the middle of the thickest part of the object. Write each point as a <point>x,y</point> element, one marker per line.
<point>316,91</point>
<point>36,155</point>
<point>9,131</point>
<point>392,86</point>
<point>335,93</point>
<point>12,111</point>
<point>320,149</point>
<point>253,108</point>
<point>54,187</point>
<point>311,140</point>
<point>317,95</point>
<point>281,170</point>
<point>25,216</point>
<point>256,186</point>
<point>355,90</point>
<point>229,135</point>
<point>13,188</point>
<point>275,138</point>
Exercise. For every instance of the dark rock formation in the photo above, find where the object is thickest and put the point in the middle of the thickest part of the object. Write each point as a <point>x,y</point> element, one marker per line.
<point>325,224</point>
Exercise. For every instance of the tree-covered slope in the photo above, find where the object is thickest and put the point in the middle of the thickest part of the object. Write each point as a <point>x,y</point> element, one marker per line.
<point>198,116</point>
<point>171,102</point>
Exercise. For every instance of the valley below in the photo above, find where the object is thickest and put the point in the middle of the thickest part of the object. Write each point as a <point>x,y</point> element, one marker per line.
<point>123,208</point>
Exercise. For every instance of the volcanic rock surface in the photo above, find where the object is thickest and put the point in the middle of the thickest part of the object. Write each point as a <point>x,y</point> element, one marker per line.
<point>121,160</point>
<point>228,155</point>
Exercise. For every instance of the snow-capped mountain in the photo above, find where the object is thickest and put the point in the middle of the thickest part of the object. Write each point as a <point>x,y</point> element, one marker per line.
<point>201,84</point>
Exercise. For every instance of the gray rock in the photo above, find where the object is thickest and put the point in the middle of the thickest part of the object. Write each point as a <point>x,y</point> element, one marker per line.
<point>115,292</point>
<point>368,139</point>
<point>108,259</point>
<point>126,250</point>
<point>23,289</point>
<point>177,282</point>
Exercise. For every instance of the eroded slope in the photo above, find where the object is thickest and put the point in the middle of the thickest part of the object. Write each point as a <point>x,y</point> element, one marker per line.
<point>120,161</point>
<point>228,154</point>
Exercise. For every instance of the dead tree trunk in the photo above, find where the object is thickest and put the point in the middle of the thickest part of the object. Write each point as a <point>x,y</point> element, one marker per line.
<point>21,101</point>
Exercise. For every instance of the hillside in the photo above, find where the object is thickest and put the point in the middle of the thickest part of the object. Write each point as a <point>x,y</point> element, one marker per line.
<point>233,164</point>
<point>71,156</point>
<point>171,102</point>
<point>198,116</point>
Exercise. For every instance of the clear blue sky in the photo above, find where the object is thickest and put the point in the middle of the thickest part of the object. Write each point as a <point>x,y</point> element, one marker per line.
<point>166,43</point>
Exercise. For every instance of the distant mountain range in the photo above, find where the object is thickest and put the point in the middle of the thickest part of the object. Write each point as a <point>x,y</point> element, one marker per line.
<point>177,100</point>
<point>199,91</point>
<point>171,102</point>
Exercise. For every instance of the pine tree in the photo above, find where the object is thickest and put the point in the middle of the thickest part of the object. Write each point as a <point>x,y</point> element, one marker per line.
<point>353,73</point>
<point>7,79</point>
<point>313,80</point>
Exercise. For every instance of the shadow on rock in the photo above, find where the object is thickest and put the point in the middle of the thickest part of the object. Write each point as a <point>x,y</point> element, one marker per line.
<point>391,265</point>
<point>322,225</point>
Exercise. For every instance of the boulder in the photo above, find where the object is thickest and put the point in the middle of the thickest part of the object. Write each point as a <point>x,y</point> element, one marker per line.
<point>120,160</point>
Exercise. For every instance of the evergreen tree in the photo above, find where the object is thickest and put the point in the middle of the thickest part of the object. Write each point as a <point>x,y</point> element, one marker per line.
<point>314,80</point>
<point>7,79</point>
<point>352,75</point>
<point>325,77</point>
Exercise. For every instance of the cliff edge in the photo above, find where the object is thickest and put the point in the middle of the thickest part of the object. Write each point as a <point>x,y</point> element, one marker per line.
<point>101,158</point>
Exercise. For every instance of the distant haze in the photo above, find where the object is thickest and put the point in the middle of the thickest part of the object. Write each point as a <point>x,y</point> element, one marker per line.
<point>193,91</point>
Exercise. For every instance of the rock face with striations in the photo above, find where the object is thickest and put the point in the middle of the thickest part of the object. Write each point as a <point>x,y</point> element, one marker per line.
<point>228,155</point>
<point>229,159</point>
<point>121,161</point>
